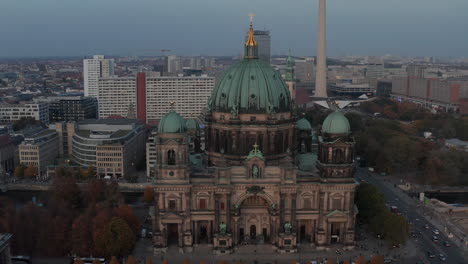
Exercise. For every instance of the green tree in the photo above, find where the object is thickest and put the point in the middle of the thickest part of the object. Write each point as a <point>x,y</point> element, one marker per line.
<point>117,239</point>
<point>396,229</point>
<point>369,202</point>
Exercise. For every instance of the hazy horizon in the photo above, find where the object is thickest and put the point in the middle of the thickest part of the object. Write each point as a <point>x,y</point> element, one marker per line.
<point>66,28</point>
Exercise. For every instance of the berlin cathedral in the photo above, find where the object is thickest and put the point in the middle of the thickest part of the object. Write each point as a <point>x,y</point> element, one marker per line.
<point>264,175</point>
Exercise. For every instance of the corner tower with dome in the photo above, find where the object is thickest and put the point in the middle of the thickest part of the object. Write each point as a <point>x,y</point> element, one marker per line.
<point>264,175</point>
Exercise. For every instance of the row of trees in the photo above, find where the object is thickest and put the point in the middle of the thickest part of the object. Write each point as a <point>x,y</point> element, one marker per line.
<point>72,221</point>
<point>390,146</point>
<point>374,212</point>
<point>442,125</point>
<point>30,172</point>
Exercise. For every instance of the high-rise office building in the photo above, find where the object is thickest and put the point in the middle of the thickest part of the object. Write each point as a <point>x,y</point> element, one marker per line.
<point>93,69</point>
<point>174,64</point>
<point>263,39</point>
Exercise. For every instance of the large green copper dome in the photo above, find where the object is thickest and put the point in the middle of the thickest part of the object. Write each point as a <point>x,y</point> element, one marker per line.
<point>251,86</point>
<point>172,122</point>
<point>336,123</point>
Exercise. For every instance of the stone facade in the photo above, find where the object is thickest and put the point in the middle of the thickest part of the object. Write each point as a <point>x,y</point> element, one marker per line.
<point>262,177</point>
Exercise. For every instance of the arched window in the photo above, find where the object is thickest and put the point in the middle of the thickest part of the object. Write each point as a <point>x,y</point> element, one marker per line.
<point>171,157</point>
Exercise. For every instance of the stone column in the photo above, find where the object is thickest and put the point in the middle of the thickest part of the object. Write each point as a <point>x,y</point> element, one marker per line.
<point>196,230</point>
<point>164,201</point>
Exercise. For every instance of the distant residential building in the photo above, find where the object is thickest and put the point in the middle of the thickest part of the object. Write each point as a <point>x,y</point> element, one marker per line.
<point>116,95</point>
<point>416,71</point>
<point>374,71</point>
<point>263,39</point>
<point>93,69</point>
<point>112,146</point>
<point>430,93</point>
<point>151,95</point>
<point>5,257</point>
<point>40,150</point>
<point>70,108</point>
<point>7,153</point>
<point>304,70</point>
<point>12,112</point>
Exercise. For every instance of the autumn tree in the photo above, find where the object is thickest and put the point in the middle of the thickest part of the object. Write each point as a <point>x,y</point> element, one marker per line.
<point>117,239</point>
<point>165,261</point>
<point>330,261</point>
<point>81,236</point>
<point>377,260</point>
<point>19,171</point>
<point>131,260</point>
<point>186,261</point>
<point>67,190</point>
<point>95,191</point>
<point>114,260</point>
<point>126,213</point>
<point>149,260</point>
<point>361,260</point>
<point>148,194</point>
<point>96,261</point>
<point>30,172</point>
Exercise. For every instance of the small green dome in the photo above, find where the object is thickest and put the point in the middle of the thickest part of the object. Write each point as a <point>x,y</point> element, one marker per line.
<point>303,124</point>
<point>251,86</point>
<point>192,124</point>
<point>172,122</point>
<point>336,123</point>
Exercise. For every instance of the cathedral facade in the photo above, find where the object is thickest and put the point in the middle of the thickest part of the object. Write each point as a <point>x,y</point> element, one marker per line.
<point>264,175</point>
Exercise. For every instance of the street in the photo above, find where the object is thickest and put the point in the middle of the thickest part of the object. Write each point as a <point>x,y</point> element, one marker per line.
<point>409,208</point>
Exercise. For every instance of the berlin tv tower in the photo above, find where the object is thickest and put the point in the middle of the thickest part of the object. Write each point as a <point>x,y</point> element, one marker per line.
<point>321,73</point>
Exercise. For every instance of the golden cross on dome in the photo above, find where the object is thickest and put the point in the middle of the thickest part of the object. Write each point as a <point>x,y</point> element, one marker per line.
<point>172,103</point>
<point>251,15</point>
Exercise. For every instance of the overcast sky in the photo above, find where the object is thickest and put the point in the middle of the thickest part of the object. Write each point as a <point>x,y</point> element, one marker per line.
<point>217,27</point>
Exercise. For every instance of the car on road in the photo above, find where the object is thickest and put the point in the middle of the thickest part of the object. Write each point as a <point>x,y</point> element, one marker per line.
<point>435,231</point>
<point>446,244</point>
<point>431,255</point>
<point>442,257</point>
<point>435,238</point>
<point>426,226</point>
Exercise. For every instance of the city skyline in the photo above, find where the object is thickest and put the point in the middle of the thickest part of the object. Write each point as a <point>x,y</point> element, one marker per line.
<point>86,28</point>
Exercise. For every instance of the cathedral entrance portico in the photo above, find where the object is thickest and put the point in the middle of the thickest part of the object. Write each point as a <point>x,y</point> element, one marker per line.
<point>254,224</point>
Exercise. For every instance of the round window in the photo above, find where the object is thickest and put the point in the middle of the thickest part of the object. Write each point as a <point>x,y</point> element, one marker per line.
<point>171,173</point>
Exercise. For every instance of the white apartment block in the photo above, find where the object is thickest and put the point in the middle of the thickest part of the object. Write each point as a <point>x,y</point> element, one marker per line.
<point>12,112</point>
<point>116,95</point>
<point>93,69</point>
<point>190,94</point>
